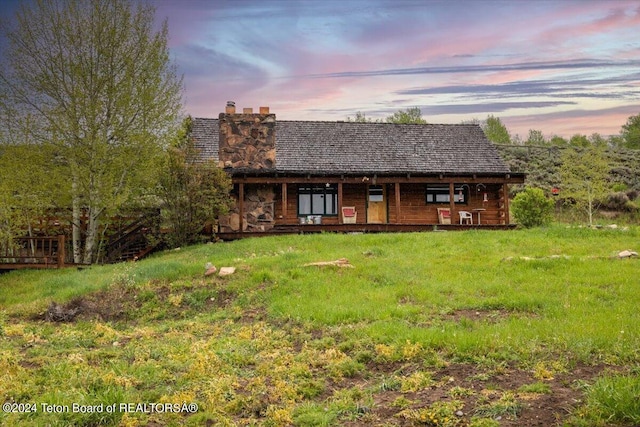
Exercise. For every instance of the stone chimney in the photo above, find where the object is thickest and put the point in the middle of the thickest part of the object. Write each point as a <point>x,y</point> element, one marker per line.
<point>247,139</point>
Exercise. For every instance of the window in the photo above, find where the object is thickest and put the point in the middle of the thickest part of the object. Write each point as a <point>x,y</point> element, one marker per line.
<point>376,193</point>
<point>318,200</point>
<point>440,194</point>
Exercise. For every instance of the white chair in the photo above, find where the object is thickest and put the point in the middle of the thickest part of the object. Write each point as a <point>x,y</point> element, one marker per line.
<point>465,217</point>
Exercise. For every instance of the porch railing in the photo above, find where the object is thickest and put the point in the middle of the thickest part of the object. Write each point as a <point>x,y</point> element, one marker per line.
<point>34,252</point>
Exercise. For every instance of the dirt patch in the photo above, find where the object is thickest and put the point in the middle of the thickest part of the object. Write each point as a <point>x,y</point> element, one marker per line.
<point>29,364</point>
<point>121,303</point>
<point>479,388</point>
<point>486,316</point>
<point>107,305</point>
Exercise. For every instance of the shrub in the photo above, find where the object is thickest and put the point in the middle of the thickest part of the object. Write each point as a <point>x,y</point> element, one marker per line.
<point>532,208</point>
<point>619,201</point>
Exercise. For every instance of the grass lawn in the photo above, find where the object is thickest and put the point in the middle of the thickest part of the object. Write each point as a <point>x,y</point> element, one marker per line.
<point>470,328</point>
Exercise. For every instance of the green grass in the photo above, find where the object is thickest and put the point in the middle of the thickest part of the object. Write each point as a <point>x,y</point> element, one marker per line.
<point>280,342</point>
<point>612,399</point>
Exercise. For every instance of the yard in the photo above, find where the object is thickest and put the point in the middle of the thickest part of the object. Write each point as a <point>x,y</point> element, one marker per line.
<point>471,328</point>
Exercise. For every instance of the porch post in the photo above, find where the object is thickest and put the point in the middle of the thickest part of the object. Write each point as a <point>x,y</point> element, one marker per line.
<point>241,205</point>
<point>284,202</point>
<point>505,194</point>
<point>397,191</point>
<point>452,203</point>
<point>61,250</point>
<point>339,202</point>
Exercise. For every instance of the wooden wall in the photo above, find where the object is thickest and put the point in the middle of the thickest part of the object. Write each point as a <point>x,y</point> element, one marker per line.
<point>413,206</point>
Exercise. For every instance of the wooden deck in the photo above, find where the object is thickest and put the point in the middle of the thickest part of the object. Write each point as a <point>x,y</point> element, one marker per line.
<point>36,252</point>
<point>362,228</point>
<point>127,241</point>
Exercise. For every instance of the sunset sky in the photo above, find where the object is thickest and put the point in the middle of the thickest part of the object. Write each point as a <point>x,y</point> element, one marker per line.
<point>562,67</point>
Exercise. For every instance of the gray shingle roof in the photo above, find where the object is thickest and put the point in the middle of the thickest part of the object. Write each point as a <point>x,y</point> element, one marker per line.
<point>205,135</point>
<point>383,148</point>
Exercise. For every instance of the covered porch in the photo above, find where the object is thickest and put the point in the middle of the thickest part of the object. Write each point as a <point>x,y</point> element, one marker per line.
<point>369,203</point>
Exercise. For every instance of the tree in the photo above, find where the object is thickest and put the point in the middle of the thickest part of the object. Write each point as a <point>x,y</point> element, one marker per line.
<point>532,208</point>
<point>556,140</point>
<point>193,191</point>
<point>26,191</point>
<point>94,80</point>
<point>20,200</point>
<point>496,131</point>
<point>597,139</point>
<point>409,116</point>
<point>579,140</point>
<point>631,132</point>
<point>535,138</point>
<point>362,118</point>
<point>616,141</point>
<point>584,175</point>
<point>516,140</point>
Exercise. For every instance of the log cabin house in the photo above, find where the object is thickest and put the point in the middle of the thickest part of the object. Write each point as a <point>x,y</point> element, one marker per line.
<point>311,176</point>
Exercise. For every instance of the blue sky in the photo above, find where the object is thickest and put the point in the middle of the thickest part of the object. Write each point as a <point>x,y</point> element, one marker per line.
<point>562,67</point>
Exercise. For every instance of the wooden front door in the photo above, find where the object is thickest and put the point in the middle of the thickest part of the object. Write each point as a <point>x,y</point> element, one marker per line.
<point>376,204</point>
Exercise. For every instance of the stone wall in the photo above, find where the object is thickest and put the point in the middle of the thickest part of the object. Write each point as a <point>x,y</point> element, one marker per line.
<point>259,211</point>
<point>247,140</point>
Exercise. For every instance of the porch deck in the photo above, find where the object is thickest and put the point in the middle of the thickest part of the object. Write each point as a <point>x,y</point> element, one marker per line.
<point>361,228</point>
<point>36,252</point>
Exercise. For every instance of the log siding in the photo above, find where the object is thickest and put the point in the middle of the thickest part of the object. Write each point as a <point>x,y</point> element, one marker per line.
<point>402,160</point>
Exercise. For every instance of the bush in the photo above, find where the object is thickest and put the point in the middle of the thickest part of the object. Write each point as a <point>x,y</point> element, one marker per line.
<point>532,208</point>
<point>619,201</point>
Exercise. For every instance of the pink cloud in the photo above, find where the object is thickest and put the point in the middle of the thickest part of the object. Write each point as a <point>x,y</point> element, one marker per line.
<point>568,28</point>
<point>270,59</point>
<point>607,121</point>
